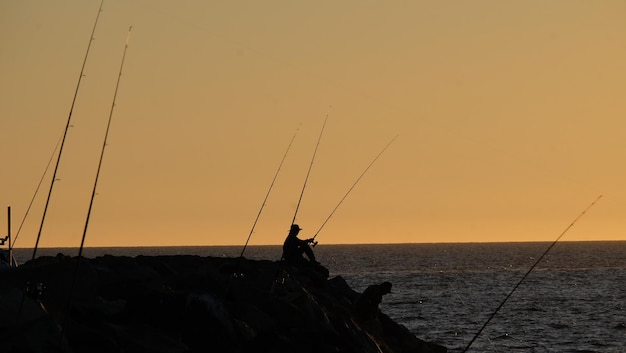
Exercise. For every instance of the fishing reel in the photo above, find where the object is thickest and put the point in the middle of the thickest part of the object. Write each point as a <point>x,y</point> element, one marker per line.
<point>312,241</point>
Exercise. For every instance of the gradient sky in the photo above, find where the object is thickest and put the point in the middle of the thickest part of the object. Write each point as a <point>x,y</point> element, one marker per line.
<point>511,119</point>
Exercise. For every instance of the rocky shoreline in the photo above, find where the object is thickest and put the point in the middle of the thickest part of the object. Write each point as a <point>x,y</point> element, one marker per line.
<point>188,303</point>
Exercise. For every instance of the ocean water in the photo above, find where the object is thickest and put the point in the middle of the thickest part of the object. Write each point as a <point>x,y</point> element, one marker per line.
<point>573,301</point>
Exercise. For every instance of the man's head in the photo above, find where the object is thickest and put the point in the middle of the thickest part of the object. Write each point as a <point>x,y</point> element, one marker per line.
<point>385,287</point>
<point>295,229</point>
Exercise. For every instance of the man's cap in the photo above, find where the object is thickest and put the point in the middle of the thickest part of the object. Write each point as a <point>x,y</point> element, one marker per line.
<point>295,227</point>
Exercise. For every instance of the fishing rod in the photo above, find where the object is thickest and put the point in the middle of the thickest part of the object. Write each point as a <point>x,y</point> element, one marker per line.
<point>32,200</point>
<point>293,221</point>
<point>104,144</point>
<point>268,193</point>
<point>7,238</point>
<point>528,273</point>
<point>67,126</point>
<point>352,187</point>
<point>93,193</point>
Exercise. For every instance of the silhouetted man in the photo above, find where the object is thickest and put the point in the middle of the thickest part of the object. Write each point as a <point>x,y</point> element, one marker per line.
<point>294,248</point>
<point>366,305</point>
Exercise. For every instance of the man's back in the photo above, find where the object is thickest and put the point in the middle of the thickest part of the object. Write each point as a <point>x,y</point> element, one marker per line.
<point>291,249</point>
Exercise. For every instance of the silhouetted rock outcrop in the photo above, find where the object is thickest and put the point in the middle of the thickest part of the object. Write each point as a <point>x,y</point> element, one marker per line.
<point>187,304</point>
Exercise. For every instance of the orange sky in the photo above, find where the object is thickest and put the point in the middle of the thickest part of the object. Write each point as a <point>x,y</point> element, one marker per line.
<point>511,119</point>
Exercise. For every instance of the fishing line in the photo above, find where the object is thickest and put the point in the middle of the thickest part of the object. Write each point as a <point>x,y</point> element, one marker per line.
<point>529,271</point>
<point>465,305</point>
<point>309,171</point>
<point>268,192</point>
<point>67,126</point>
<point>352,187</point>
<point>32,200</point>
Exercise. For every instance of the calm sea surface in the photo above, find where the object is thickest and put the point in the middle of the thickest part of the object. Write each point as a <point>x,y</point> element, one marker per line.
<point>573,301</point>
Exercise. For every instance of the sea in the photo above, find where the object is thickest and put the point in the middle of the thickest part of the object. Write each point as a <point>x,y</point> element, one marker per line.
<point>473,297</point>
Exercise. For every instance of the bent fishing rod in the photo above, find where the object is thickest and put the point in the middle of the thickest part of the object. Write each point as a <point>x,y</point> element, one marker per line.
<point>268,193</point>
<point>528,273</point>
<point>293,221</point>
<point>349,190</point>
<point>67,126</point>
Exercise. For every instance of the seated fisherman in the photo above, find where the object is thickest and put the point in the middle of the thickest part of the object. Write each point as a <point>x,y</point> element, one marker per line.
<point>294,248</point>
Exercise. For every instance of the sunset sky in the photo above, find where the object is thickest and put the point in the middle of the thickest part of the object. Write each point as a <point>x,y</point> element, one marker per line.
<point>510,116</point>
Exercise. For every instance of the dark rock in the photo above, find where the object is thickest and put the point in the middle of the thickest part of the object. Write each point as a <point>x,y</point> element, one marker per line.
<point>188,304</point>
